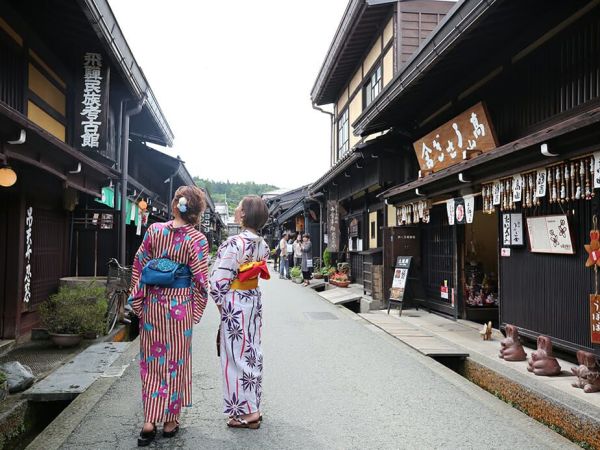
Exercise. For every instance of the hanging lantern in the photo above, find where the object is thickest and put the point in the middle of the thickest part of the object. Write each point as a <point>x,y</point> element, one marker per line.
<point>8,177</point>
<point>143,205</point>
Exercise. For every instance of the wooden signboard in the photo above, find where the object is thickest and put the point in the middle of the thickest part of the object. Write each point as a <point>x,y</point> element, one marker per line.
<point>451,143</point>
<point>512,230</point>
<point>550,234</point>
<point>333,226</point>
<point>595,318</point>
<point>399,280</point>
<point>353,228</point>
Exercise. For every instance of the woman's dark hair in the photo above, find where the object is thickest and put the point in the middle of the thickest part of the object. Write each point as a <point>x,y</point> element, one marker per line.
<point>255,212</point>
<point>195,203</point>
<point>307,236</point>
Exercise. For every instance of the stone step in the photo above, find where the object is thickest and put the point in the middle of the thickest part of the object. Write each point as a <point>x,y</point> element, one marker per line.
<point>77,375</point>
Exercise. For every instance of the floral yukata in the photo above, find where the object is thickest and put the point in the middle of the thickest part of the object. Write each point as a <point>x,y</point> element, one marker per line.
<point>241,323</point>
<point>167,317</point>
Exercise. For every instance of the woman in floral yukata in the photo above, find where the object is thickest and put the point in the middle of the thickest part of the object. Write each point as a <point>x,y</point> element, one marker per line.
<point>241,260</point>
<point>167,314</point>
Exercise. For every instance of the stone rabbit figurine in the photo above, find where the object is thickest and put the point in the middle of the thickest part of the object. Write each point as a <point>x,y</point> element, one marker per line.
<point>510,347</point>
<point>587,373</point>
<point>542,362</point>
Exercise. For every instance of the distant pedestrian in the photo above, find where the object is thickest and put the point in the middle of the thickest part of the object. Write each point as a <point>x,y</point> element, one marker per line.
<point>307,261</point>
<point>283,252</point>
<point>168,310</point>
<point>298,251</point>
<point>241,261</point>
<point>290,250</point>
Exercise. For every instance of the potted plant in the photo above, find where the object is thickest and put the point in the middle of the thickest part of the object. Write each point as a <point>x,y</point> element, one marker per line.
<point>74,311</point>
<point>296,274</point>
<point>340,280</point>
<point>3,386</point>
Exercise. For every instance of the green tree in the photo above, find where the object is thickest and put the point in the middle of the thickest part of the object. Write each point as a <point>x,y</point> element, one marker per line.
<point>222,191</point>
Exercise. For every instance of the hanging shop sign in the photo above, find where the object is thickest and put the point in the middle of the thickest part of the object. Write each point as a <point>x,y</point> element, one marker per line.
<point>93,98</point>
<point>333,225</point>
<point>459,211</point>
<point>300,224</point>
<point>512,230</point>
<point>595,318</point>
<point>550,234</point>
<point>28,252</point>
<point>558,184</point>
<point>353,228</point>
<point>413,213</point>
<point>452,142</point>
<point>469,207</point>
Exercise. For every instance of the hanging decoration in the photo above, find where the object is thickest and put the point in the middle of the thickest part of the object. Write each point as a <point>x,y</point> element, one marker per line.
<point>559,184</point>
<point>413,213</point>
<point>593,250</point>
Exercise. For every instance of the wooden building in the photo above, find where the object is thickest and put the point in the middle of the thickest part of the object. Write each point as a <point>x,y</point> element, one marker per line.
<point>504,127</point>
<point>372,43</point>
<point>72,100</point>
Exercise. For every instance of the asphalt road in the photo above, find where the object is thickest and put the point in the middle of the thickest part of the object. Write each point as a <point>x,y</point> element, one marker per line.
<point>331,381</point>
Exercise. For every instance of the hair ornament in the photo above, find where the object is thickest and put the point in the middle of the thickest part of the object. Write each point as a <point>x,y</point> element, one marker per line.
<point>182,204</point>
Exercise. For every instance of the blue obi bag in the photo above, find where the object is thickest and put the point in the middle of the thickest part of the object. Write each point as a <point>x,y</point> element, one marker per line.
<point>166,273</point>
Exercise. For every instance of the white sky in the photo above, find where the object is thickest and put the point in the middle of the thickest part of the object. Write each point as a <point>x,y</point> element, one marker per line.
<point>233,79</point>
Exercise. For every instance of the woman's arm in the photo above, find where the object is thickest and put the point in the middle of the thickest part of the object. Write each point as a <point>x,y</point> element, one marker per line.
<point>142,256</point>
<point>198,263</point>
<point>224,270</point>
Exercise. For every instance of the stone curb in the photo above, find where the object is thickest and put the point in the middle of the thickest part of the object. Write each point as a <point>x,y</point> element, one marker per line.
<point>57,433</point>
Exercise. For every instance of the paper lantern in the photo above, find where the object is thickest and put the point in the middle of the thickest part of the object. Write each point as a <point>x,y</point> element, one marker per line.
<point>8,177</point>
<point>143,205</point>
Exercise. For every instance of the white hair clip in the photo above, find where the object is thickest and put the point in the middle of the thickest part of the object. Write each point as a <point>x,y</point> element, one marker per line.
<point>182,204</point>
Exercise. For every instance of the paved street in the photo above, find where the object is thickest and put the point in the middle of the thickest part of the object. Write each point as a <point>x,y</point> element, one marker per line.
<point>331,381</point>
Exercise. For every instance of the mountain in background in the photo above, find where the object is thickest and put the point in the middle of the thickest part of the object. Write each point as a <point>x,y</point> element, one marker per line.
<point>222,191</point>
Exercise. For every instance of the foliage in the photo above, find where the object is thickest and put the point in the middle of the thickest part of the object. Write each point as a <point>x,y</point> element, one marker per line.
<point>338,276</point>
<point>296,272</point>
<point>2,377</point>
<point>327,258</point>
<point>232,193</point>
<point>75,309</point>
<point>325,271</point>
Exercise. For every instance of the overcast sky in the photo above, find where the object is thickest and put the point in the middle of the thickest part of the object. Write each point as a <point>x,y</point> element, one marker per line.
<point>233,79</point>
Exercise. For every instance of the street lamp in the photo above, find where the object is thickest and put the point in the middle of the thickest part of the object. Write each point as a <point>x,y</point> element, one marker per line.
<point>8,177</point>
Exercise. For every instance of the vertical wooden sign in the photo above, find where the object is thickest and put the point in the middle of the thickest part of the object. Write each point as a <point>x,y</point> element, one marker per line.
<point>595,318</point>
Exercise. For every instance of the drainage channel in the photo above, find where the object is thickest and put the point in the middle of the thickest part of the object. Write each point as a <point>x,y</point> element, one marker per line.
<point>22,419</point>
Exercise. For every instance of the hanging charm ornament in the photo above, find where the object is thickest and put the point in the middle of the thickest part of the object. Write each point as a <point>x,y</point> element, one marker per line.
<point>593,248</point>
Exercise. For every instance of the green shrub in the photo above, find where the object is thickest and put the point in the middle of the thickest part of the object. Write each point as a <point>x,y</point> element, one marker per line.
<point>76,309</point>
<point>296,272</point>
<point>2,377</point>
<point>326,258</point>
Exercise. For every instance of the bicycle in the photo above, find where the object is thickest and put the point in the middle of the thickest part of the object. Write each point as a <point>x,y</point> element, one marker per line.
<point>117,284</point>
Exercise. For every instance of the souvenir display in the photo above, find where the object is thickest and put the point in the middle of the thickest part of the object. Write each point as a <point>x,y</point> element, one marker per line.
<point>480,289</point>
<point>560,184</point>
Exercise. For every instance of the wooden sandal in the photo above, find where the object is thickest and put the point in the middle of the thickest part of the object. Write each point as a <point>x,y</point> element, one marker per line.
<point>238,422</point>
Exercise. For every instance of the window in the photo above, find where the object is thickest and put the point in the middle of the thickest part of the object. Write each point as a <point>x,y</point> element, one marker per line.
<point>373,86</point>
<point>343,132</point>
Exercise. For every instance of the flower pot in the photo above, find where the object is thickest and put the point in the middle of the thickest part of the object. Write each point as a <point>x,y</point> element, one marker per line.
<point>298,280</point>
<point>66,340</point>
<point>317,276</point>
<point>342,284</point>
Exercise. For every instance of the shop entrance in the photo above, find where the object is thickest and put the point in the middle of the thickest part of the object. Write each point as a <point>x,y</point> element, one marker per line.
<point>479,263</point>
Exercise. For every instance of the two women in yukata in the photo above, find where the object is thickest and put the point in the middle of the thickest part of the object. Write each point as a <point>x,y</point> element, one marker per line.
<point>168,309</point>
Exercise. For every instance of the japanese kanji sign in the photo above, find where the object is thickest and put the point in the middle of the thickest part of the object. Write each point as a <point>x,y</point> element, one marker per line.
<point>94,103</point>
<point>333,225</point>
<point>445,146</point>
<point>595,318</point>
<point>512,230</point>
<point>28,252</point>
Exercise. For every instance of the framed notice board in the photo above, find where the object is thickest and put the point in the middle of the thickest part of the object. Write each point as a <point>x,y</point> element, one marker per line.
<point>399,282</point>
<point>550,234</point>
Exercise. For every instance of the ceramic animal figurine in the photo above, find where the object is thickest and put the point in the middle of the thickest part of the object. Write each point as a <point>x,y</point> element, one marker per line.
<point>486,331</point>
<point>510,347</point>
<point>542,362</point>
<point>587,373</point>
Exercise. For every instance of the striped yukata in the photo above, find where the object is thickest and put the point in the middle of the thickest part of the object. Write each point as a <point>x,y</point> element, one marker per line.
<point>241,323</point>
<point>167,317</point>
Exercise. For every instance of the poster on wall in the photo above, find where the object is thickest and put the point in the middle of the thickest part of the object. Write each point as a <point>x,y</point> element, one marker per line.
<point>512,230</point>
<point>550,234</point>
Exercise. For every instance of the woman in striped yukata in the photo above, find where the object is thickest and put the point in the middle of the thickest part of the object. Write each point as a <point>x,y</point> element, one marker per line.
<point>168,313</point>
<point>241,261</point>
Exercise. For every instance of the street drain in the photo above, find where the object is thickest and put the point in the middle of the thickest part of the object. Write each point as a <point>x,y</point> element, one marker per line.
<point>321,316</point>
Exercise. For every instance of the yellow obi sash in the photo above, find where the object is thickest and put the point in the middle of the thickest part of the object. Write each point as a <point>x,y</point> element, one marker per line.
<point>248,276</point>
<point>238,285</point>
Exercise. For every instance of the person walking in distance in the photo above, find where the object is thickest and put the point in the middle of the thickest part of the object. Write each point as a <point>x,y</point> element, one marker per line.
<point>168,293</point>
<point>307,261</point>
<point>290,252</point>
<point>283,257</point>
<point>241,261</point>
<point>298,251</point>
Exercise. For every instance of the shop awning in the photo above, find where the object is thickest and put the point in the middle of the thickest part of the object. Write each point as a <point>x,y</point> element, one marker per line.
<point>132,213</point>
<point>520,154</point>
